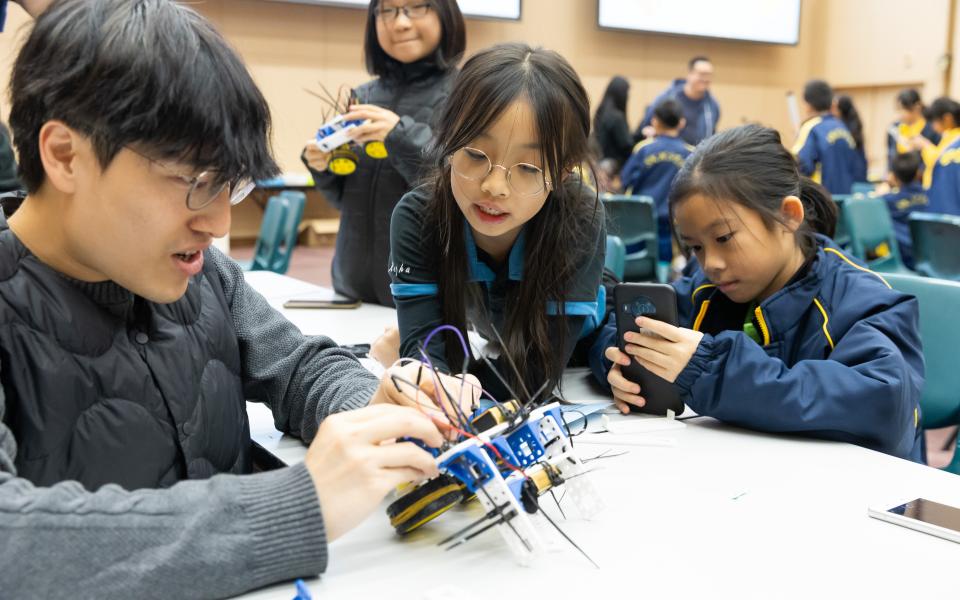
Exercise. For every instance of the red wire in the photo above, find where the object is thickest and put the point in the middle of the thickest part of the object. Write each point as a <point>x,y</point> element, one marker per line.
<point>492,448</point>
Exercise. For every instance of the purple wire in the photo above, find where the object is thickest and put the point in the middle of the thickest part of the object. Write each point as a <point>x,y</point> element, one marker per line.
<point>463,343</point>
<point>439,389</point>
<point>466,354</point>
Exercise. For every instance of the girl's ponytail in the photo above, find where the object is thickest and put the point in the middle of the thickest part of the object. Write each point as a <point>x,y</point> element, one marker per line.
<point>819,208</point>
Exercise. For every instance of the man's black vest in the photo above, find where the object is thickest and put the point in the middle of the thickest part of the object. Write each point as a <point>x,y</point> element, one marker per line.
<point>105,387</point>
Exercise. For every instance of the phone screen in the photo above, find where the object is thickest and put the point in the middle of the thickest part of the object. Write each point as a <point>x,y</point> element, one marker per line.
<point>930,512</point>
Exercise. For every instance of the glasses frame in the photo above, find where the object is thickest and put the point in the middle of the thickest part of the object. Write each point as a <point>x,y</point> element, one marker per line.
<point>239,187</point>
<point>509,171</point>
<point>390,15</point>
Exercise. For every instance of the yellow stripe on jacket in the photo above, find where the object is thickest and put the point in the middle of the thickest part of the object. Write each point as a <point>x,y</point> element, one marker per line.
<point>804,133</point>
<point>932,153</point>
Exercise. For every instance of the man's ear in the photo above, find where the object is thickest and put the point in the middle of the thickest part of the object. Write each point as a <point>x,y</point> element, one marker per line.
<point>59,145</point>
<point>792,213</point>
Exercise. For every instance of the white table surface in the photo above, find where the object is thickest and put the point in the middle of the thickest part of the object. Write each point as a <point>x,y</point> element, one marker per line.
<point>345,326</point>
<point>724,513</point>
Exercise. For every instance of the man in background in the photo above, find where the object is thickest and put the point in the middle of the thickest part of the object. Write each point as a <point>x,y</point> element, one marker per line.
<point>700,109</point>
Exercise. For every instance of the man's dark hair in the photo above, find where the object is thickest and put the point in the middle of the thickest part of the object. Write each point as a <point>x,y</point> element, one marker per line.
<point>453,39</point>
<point>152,74</point>
<point>818,94</point>
<point>669,112</point>
<point>693,61</point>
<point>906,166</point>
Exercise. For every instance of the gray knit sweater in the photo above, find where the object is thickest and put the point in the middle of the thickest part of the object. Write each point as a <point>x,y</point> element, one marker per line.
<point>197,539</point>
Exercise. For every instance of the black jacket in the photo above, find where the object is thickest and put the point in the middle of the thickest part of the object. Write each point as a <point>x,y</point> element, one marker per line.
<point>366,198</point>
<point>105,387</point>
<point>613,136</point>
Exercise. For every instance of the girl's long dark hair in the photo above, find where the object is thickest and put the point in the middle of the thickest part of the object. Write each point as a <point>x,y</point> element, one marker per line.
<point>851,118</point>
<point>488,84</point>
<point>614,98</point>
<point>749,165</point>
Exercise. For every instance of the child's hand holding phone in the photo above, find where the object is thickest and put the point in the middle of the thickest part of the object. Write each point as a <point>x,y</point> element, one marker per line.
<point>666,353</point>
<point>661,348</point>
<point>625,392</point>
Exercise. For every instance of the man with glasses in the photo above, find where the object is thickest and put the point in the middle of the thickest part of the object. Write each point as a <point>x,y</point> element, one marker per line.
<point>128,345</point>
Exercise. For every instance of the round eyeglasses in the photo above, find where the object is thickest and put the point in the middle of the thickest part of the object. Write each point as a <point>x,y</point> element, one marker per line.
<point>473,164</point>
<point>207,186</point>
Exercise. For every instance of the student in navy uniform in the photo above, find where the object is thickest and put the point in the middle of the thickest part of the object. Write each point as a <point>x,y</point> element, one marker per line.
<point>911,124</point>
<point>412,46</point>
<point>944,193</point>
<point>846,111</point>
<point>945,117</point>
<point>701,111</point>
<point>825,150</point>
<point>654,163</point>
<point>506,238</point>
<point>780,331</point>
<point>909,196</point>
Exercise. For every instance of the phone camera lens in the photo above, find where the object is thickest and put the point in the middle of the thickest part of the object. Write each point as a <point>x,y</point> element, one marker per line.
<point>641,306</point>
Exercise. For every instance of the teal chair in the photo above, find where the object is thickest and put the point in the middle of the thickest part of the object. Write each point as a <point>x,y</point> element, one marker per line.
<point>872,239</point>
<point>634,220</point>
<point>939,332</point>
<point>841,237</point>
<point>936,245</point>
<point>616,256</point>
<point>278,233</point>
<point>862,187</point>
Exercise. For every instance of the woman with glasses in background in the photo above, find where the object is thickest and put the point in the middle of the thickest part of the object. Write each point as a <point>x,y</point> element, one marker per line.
<point>412,47</point>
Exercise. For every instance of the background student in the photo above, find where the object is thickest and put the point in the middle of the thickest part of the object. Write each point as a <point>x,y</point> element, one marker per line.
<point>945,120</point>
<point>780,331</point>
<point>907,197</point>
<point>912,123</point>
<point>847,112</point>
<point>653,165</point>
<point>610,126</point>
<point>825,150</point>
<point>943,193</point>
<point>506,238</point>
<point>412,47</point>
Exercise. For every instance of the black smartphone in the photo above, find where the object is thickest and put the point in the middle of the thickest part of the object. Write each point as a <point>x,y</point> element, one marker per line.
<point>263,459</point>
<point>656,301</point>
<point>328,302</point>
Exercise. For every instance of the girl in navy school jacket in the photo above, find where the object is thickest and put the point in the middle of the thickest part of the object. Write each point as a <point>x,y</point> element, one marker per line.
<point>780,331</point>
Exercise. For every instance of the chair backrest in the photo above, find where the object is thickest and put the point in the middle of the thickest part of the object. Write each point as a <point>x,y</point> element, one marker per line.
<point>271,231</point>
<point>634,220</point>
<point>862,187</point>
<point>295,202</point>
<point>940,333</point>
<point>278,232</point>
<point>936,244</point>
<point>616,256</point>
<point>841,237</point>
<point>872,238</point>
